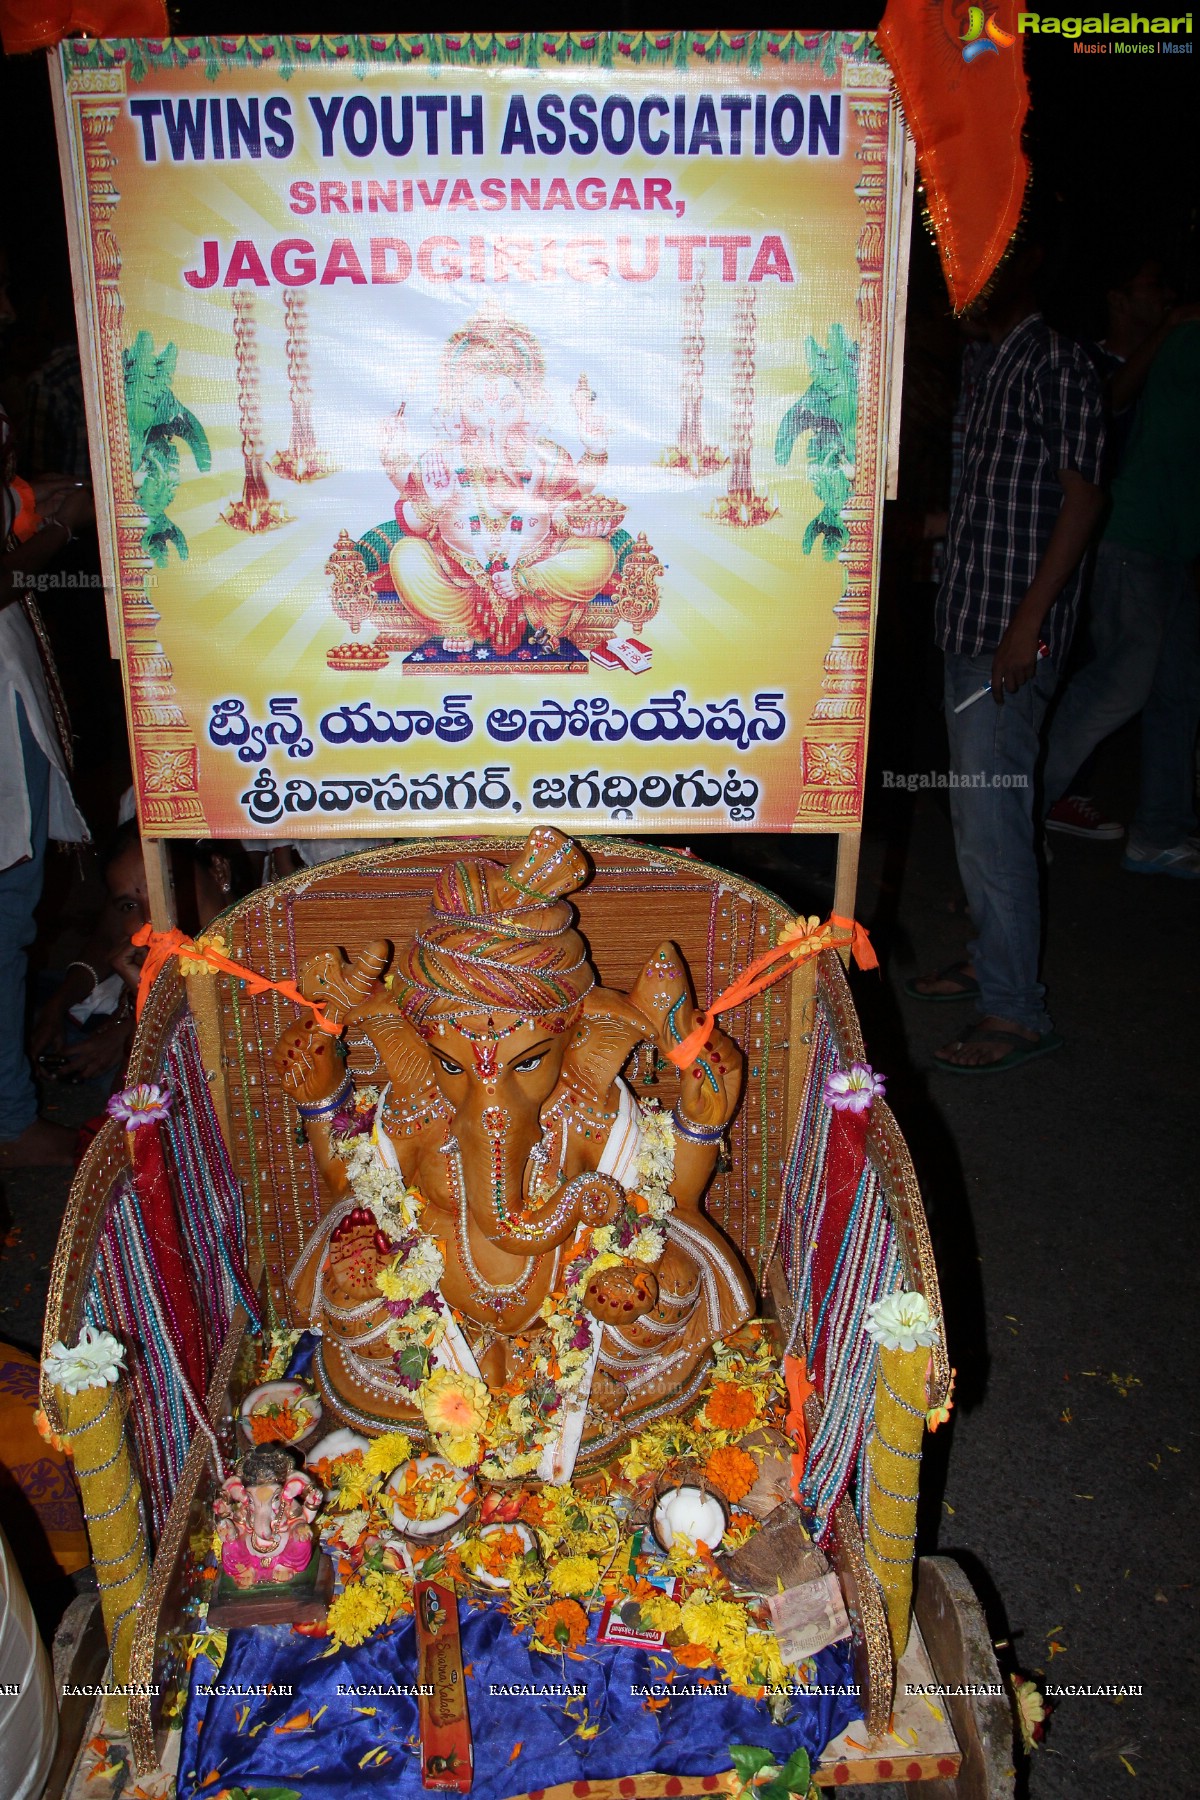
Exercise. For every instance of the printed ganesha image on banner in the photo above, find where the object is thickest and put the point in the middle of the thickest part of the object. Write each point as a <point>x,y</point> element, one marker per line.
<point>578,430</point>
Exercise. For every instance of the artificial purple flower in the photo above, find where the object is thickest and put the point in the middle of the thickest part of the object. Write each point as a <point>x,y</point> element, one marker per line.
<point>350,1123</point>
<point>853,1089</point>
<point>145,1104</point>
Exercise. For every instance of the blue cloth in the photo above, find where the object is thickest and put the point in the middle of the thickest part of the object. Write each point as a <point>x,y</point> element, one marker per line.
<point>20,891</point>
<point>301,1358</point>
<point>993,757</point>
<point>1146,658</point>
<point>691,1735</point>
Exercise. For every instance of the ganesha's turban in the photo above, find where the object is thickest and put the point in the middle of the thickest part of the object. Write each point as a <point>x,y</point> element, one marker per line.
<point>500,938</point>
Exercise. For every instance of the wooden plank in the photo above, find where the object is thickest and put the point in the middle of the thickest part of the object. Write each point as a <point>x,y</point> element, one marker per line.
<point>845,886</point>
<point>902,249</point>
<point>919,1746</point>
<point>70,168</point>
<point>160,882</point>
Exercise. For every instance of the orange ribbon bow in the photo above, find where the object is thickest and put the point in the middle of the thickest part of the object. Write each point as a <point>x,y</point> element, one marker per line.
<point>161,946</point>
<point>799,942</point>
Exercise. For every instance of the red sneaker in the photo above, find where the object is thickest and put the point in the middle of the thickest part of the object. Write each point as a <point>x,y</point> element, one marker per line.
<point>1075,815</point>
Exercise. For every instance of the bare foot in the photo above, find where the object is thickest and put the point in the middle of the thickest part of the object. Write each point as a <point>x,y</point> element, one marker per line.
<point>988,1041</point>
<point>41,1145</point>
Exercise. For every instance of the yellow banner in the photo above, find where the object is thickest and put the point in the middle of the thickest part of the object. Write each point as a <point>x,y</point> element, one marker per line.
<point>490,426</point>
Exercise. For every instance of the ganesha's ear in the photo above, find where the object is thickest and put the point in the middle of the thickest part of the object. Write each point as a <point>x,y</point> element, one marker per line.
<point>401,1049</point>
<point>610,1028</point>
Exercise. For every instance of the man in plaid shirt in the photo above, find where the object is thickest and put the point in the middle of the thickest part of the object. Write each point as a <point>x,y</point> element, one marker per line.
<point>1019,528</point>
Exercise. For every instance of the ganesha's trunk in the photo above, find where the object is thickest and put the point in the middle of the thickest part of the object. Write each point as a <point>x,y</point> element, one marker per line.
<point>496,1188</point>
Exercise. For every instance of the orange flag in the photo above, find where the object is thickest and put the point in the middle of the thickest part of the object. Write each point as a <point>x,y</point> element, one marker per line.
<point>960,73</point>
<point>40,24</point>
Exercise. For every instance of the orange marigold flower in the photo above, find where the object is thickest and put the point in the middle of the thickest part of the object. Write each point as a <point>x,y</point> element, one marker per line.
<point>692,1656</point>
<point>733,1471</point>
<point>729,1408</point>
<point>564,1622</point>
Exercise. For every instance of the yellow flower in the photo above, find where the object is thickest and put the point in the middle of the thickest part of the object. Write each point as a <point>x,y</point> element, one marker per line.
<point>660,1614</point>
<point>1031,1711</point>
<point>575,1575</point>
<point>455,1408</point>
<point>354,1486</point>
<point>463,1452</point>
<point>387,1453</point>
<point>355,1614</point>
<point>712,1622</point>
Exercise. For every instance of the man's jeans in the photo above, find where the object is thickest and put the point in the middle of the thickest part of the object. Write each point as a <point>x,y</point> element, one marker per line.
<point>1146,635</point>
<point>993,755</point>
<point>20,891</point>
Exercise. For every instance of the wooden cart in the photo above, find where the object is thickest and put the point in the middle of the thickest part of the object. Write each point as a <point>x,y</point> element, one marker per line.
<point>638,896</point>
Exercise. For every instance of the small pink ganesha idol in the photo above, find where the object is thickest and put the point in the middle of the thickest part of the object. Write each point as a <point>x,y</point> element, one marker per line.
<point>263,1515</point>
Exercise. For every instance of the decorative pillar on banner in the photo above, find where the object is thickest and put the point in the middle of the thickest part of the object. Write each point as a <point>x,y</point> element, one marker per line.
<point>960,74</point>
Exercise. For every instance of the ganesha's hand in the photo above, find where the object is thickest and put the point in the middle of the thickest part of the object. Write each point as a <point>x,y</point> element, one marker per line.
<point>593,428</point>
<point>308,1063</point>
<point>619,1296</point>
<point>435,476</point>
<point>356,1256</point>
<point>709,1089</point>
<point>340,985</point>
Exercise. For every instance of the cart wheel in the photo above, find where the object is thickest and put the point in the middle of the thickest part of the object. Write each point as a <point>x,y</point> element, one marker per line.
<point>960,1649</point>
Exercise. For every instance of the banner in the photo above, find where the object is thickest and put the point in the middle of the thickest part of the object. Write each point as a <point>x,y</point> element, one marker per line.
<point>489,426</point>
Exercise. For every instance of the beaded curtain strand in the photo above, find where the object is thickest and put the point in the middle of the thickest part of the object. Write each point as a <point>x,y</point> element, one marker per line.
<point>209,1199</point>
<point>122,1300</point>
<point>868,1267</point>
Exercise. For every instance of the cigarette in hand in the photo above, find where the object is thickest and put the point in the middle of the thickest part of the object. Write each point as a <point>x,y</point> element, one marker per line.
<point>1043,650</point>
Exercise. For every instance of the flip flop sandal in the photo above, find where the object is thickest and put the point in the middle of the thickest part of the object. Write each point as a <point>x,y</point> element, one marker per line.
<point>968,990</point>
<point>1023,1050</point>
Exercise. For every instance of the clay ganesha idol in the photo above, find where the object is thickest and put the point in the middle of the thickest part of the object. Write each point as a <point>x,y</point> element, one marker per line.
<point>514,1261</point>
<point>264,1518</point>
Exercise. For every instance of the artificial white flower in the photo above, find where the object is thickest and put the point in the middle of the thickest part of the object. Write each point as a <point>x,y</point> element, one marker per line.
<point>648,1245</point>
<point>96,1361</point>
<point>901,1321</point>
